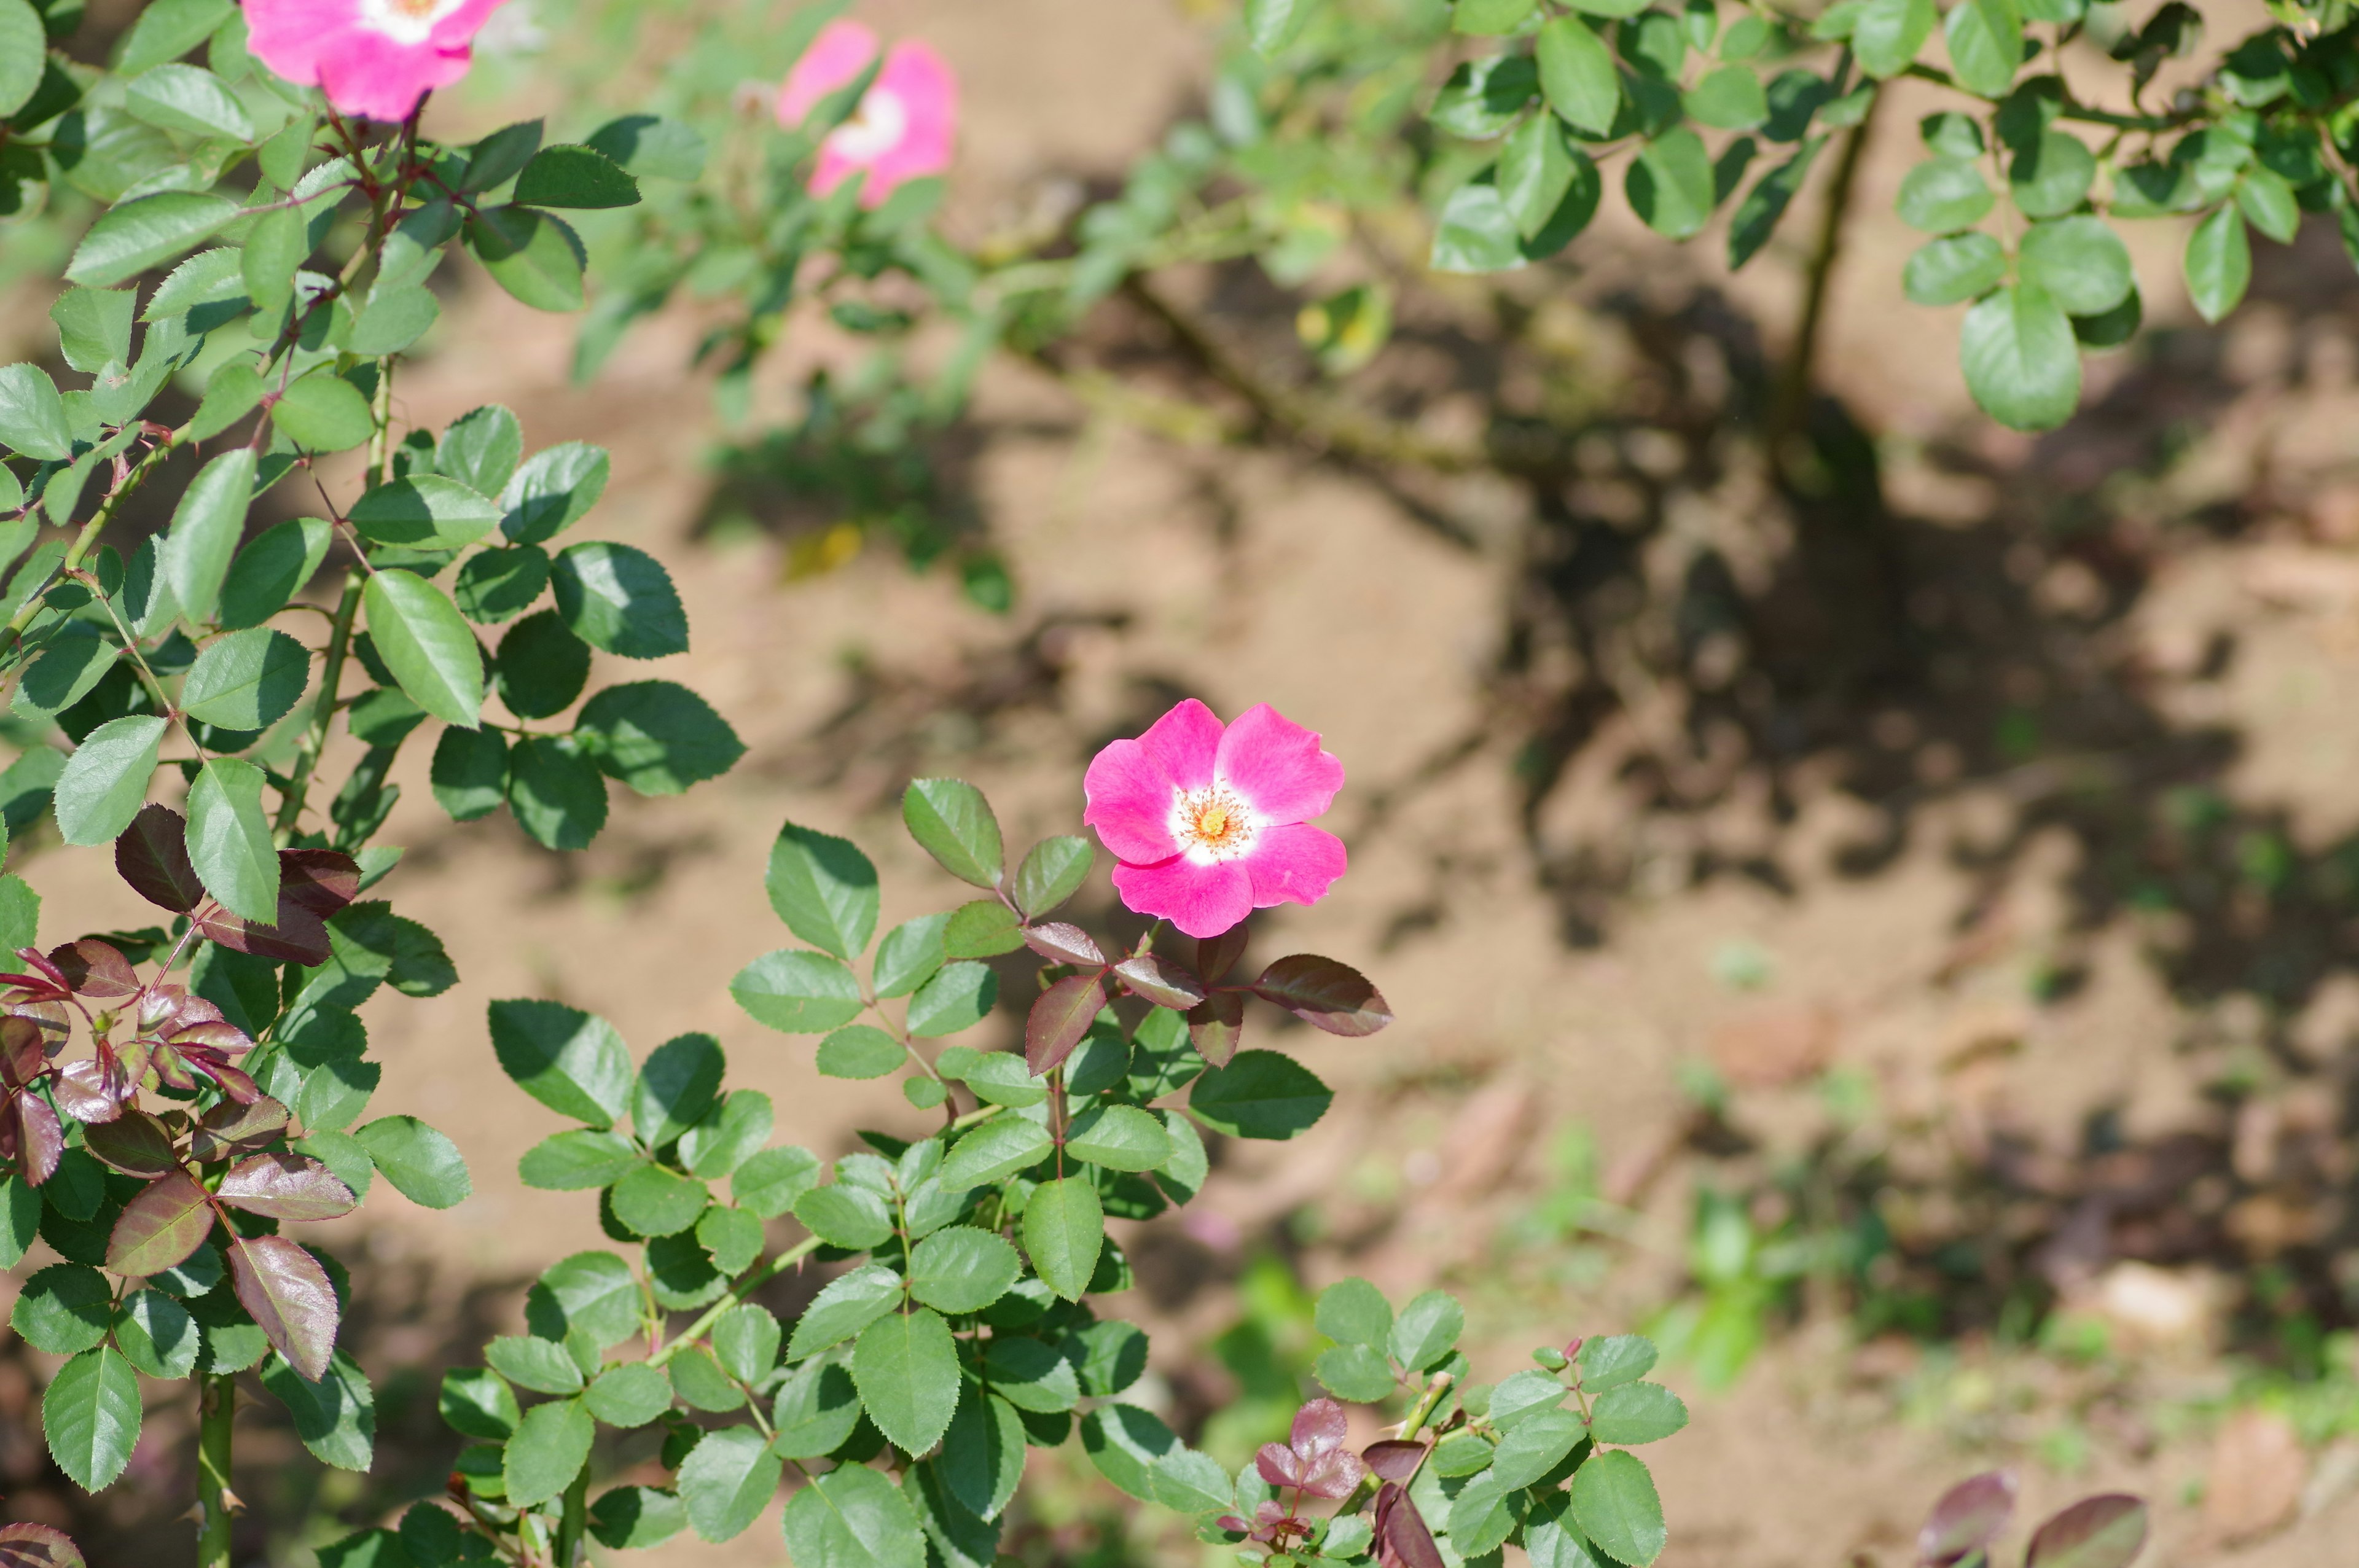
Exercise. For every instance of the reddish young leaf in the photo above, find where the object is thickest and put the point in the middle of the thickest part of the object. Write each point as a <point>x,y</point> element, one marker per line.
<point>168,1221</point>
<point>286,1186</point>
<point>321,881</point>
<point>1319,991</point>
<point>1062,944</point>
<point>1317,1463</point>
<point>1319,1425</point>
<point>38,1546</point>
<point>1059,1020</point>
<point>232,1128</point>
<point>30,1138</point>
<point>1402,1539</point>
<point>1215,1025</point>
<point>286,1292</point>
<point>216,1035</point>
<point>231,1081</point>
<point>299,937</point>
<point>2102,1531</point>
<point>1394,1459</point>
<point>1216,956</point>
<point>89,1091</point>
<point>24,1050</point>
<point>39,962</point>
<point>152,855</point>
<point>134,1143</point>
<point>1967,1519</point>
<point>171,1070</point>
<point>1165,985</point>
<point>95,968</point>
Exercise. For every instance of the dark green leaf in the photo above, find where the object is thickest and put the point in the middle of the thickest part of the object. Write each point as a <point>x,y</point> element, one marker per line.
<point>853,1518</point>
<point>493,586</point>
<point>90,1415</point>
<point>542,666</point>
<point>1671,184</point>
<point>1757,216</point>
<point>1124,1441</point>
<point>621,599</point>
<point>1064,1227</point>
<point>535,256</point>
<point>470,772</point>
<point>573,176</point>
<point>272,569</point>
<point>595,1294</point>
<point>334,1414</point>
<point>424,511</point>
<point>553,490</point>
<point>848,1304</point>
<point>476,1401</point>
<point>571,1061</point>
<point>676,1087</point>
<point>630,1517</point>
<point>1260,1094</point>
<point>655,738</point>
<point>555,791</point>
<point>149,230</point>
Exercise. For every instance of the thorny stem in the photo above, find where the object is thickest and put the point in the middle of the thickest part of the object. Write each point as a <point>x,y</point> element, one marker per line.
<point>1789,403</point>
<point>1421,1412</point>
<point>216,1411</point>
<point>331,675</point>
<point>574,1523</point>
<point>90,531</point>
<point>737,1293</point>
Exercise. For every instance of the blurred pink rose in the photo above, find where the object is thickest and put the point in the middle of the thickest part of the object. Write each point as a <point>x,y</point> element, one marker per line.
<point>373,58</point>
<point>904,125</point>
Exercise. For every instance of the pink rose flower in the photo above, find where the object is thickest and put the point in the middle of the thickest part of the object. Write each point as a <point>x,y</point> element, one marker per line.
<point>1209,824</point>
<point>906,122</point>
<point>373,58</point>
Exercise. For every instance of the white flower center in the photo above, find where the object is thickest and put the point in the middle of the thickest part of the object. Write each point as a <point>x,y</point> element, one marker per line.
<point>406,21</point>
<point>1213,823</point>
<point>874,129</point>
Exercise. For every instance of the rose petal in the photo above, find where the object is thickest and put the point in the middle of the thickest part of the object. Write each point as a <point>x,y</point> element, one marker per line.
<point>1129,798</point>
<point>1277,766</point>
<point>1187,741</point>
<point>1293,864</point>
<point>1202,901</point>
<point>836,58</point>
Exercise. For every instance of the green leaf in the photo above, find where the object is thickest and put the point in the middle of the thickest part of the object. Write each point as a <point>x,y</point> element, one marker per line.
<point>1483,97</point>
<point>273,568</point>
<point>2268,203</point>
<point>335,1416</point>
<point>1483,1515</point>
<point>157,1334</point>
<point>391,319</point>
<point>593,1294</point>
<point>1985,40</point>
<point>481,451</point>
<point>2052,176</point>
<point>746,1341</point>
<point>798,992</point>
<point>1577,75</point>
<point>958,996</point>
<point>994,1152</point>
<point>860,1051</point>
<point>1638,1413</point>
<point>24,55</point>
<point>728,1136</point>
<point>1260,1094</point>
<point>853,1518</point>
<point>577,1160</point>
<point>1732,98</point>
<point>105,781</point>
<point>571,1061</point>
<point>727,1479</point>
<point>555,791</point>
<point>535,256</point>
<point>470,772</point>
<point>849,1303</point>
<point>33,417</point>
<point>824,889</point>
<point>1757,216</point>
<point>1354,1372</point>
<point>982,1458</point>
<point>74,659</point>
<point>63,1309</point>
<point>631,1518</point>
<point>1124,1443</point>
<point>248,680</point>
<point>146,232</point>
<point>423,1165</point>
<point>906,1367</point>
<point>1053,873</point>
<point>542,666</point>
<point>2020,360</point>
<point>962,1269</point>
<point>574,176</point>
<point>493,586</point>
<point>2219,263</point>
<point>845,1215</point>
<point>1671,184</point>
<point>650,148</point>
<point>1614,1504</point>
<point>1953,269</point>
<point>191,101</point>
<point>951,821</point>
<point>655,738</point>
<point>1476,232</point>
<point>769,1182</point>
<point>90,1415</point>
<point>817,1409</point>
<point>1608,1361</point>
<point>424,511</point>
<point>425,641</point>
<point>2080,261</point>
<point>620,599</point>
<point>1118,1137</point>
<point>1271,24</point>
<point>93,324</point>
<point>1354,1311</point>
<point>550,1445</point>
<point>1889,33</point>
<point>554,490</point>
<point>630,1395</point>
<point>231,393</point>
<point>910,955</point>
<point>228,838</point>
<point>678,1085</point>
<point>205,530</point>
<point>166,30</point>
<point>1943,195</point>
<point>477,1403</point>
<point>1427,1330</point>
<point>1064,1227</point>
